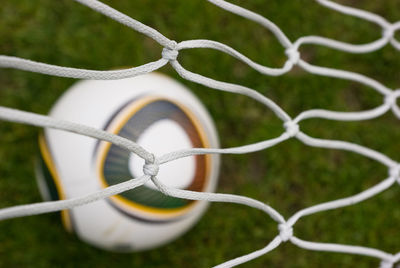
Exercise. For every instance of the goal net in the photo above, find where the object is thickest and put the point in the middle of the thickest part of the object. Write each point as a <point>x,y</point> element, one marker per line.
<point>291,125</point>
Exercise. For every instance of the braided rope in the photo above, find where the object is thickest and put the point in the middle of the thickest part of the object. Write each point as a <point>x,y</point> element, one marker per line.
<point>291,126</point>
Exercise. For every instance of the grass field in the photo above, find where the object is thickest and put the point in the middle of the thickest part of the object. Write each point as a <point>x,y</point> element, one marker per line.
<point>289,177</point>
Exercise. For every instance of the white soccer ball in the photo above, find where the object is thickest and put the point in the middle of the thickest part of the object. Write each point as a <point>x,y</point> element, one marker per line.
<point>159,114</point>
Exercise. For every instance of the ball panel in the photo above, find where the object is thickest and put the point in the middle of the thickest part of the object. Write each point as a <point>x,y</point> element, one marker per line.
<point>105,227</point>
<point>44,179</point>
<point>113,162</point>
<point>150,139</point>
<point>51,181</point>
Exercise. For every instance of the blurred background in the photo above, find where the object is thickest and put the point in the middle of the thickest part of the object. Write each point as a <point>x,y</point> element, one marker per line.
<point>289,177</point>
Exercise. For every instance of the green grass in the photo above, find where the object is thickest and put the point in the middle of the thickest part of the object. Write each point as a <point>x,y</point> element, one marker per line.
<point>288,177</point>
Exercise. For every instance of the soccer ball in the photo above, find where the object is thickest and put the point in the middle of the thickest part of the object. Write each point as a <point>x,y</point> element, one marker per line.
<point>159,114</point>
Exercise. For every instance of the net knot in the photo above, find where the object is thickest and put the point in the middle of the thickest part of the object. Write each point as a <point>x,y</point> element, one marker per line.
<point>388,32</point>
<point>151,168</point>
<point>386,264</point>
<point>170,54</point>
<point>394,172</point>
<point>293,55</point>
<point>292,128</point>
<point>285,232</point>
<point>392,97</point>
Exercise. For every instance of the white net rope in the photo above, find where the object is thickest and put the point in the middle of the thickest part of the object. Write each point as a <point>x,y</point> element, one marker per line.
<point>291,125</point>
